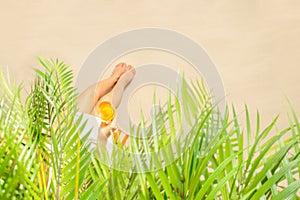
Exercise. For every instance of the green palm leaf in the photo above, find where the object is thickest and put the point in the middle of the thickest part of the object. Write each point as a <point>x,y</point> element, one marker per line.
<point>44,156</point>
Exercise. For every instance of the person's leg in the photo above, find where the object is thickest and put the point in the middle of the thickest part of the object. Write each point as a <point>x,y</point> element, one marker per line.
<point>88,98</point>
<point>115,95</point>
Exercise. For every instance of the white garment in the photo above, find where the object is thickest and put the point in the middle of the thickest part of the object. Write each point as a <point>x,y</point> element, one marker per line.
<point>93,123</point>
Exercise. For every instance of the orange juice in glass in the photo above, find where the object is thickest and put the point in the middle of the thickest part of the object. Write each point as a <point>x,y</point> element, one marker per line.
<point>107,113</point>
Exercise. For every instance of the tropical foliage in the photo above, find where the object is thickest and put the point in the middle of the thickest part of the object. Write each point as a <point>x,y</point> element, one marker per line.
<point>205,155</point>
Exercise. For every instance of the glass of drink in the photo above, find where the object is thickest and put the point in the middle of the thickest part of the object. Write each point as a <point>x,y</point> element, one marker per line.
<point>107,113</point>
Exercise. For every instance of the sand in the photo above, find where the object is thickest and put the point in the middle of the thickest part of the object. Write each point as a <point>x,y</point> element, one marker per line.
<point>255,45</point>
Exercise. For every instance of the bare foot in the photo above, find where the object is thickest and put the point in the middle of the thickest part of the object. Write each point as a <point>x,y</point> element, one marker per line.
<point>130,68</point>
<point>115,95</point>
<point>127,76</point>
<point>119,70</point>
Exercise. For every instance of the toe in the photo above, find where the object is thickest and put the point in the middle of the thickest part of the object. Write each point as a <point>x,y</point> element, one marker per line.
<point>119,69</point>
<point>129,67</point>
<point>121,64</point>
<point>124,65</point>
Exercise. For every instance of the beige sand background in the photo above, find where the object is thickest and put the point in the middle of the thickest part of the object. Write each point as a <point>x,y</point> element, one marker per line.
<point>254,44</point>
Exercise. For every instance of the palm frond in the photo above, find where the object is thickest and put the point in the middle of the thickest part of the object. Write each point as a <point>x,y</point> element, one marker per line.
<point>190,151</point>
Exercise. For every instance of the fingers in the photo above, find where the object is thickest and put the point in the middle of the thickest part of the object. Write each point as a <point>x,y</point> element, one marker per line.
<point>106,131</point>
